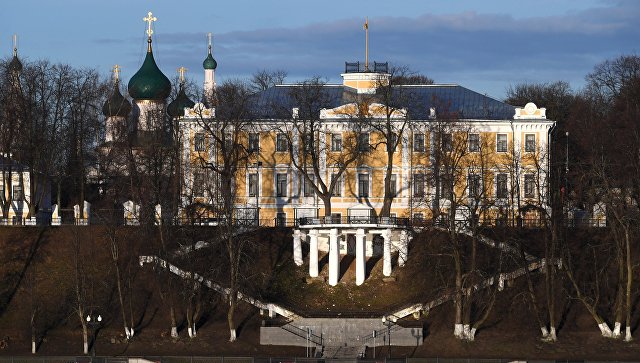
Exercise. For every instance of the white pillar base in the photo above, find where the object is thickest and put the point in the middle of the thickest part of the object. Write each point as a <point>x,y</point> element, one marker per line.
<point>334,257</point>
<point>313,253</point>
<point>360,256</point>
<point>297,248</point>
<point>386,268</point>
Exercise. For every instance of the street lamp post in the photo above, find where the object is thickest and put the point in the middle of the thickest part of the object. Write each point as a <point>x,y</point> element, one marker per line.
<point>388,323</point>
<point>94,323</point>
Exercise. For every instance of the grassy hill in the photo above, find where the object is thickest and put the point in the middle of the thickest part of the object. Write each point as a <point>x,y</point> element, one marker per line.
<point>45,271</point>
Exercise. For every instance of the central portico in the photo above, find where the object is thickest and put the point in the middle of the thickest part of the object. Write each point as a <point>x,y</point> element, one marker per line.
<point>359,236</point>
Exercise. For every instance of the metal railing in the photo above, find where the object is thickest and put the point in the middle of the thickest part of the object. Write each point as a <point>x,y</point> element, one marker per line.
<point>392,221</point>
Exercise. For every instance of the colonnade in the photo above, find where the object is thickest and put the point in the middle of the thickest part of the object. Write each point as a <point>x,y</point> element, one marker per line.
<point>334,236</point>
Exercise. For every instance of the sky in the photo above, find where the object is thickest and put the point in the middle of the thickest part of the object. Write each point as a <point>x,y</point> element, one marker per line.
<point>486,45</point>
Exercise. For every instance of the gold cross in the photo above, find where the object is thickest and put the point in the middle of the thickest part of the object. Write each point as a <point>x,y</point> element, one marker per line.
<point>116,72</point>
<point>181,72</point>
<point>150,19</point>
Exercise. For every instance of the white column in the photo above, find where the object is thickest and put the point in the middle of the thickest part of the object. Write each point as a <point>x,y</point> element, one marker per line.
<point>360,256</point>
<point>334,257</point>
<point>403,251</point>
<point>297,248</point>
<point>313,253</point>
<point>386,269</point>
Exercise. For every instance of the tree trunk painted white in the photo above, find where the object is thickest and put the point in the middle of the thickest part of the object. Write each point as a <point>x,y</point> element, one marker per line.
<point>190,332</point>
<point>131,332</point>
<point>458,331</point>
<point>552,335</point>
<point>604,329</point>
<point>616,330</point>
<point>85,347</point>
<point>545,332</point>
<point>360,256</point>
<point>334,257</point>
<point>471,336</point>
<point>297,248</point>
<point>386,267</point>
<point>501,283</point>
<point>232,335</point>
<point>403,252</point>
<point>628,337</point>
<point>313,253</point>
<point>174,332</point>
<point>33,347</point>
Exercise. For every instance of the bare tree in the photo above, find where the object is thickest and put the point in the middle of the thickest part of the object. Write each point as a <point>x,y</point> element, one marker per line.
<point>265,79</point>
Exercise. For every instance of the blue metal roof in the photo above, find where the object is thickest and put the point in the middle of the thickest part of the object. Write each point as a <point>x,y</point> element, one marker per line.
<point>457,101</point>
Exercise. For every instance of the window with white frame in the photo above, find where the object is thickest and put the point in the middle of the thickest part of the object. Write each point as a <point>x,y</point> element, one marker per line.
<point>501,186</point>
<point>474,142</point>
<point>254,142</point>
<point>363,142</point>
<point>308,186</point>
<point>363,185</point>
<point>337,188</point>
<point>253,184</point>
<point>529,185</point>
<point>199,141</point>
<point>307,140</point>
<point>393,189</point>
<point>281,184</point>
<point>281,142</point>
<point>501,143</point>
<point>474,185</point>
<point>418,142</point>
<point>418,185</point>
<point>446,141</point>
<point>336,142</point>
<point>530,143</point>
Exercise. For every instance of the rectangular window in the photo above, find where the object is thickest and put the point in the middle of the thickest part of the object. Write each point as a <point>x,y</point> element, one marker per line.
<point>281,185</point>
<point>474,184</point>
<point>198,184</point>
<point>336,142</point>
<point>446,141</point>
<point>308,186</point>
<point>337,189</point>
<point>307,140</point>
<point>446,186</point>
<point>501,143</point>
<point>198,141</point>
<point>530,143</point>
<point>281,219</point>
<point>253,184</point>
<point>418,185</point>
<point>529,186</point>
<point>391,142</point>
<point>363,185</point>
<point>392,185</point>
<point>501,186</point>
<point>474,142</point>
<point>363,142</point>
<point>18,193</point>
<point>281,142</point>
<point>254,142</point>
<point>418,143</point>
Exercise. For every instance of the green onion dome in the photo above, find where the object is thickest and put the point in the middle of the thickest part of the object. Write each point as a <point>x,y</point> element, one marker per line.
<point>176,107</point>
<point>209,62</point>
<point>149,83</point>
<point>116,105</point>
<point>15,65</point>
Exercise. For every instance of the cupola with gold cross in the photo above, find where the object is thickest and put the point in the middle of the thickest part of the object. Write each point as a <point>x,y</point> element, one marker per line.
<point>149,83</point>
<point>365,78</point>
<point>182,101</point>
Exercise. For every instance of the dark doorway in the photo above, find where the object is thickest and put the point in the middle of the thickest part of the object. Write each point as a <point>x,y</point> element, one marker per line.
<point>351,245</point>
<point>378,245</point>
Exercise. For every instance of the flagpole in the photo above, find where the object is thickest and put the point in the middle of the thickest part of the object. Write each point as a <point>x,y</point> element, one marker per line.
<point>366,45</point>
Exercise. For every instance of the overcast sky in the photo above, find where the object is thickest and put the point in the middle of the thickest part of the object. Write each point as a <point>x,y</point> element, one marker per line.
<point>483,45</point>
